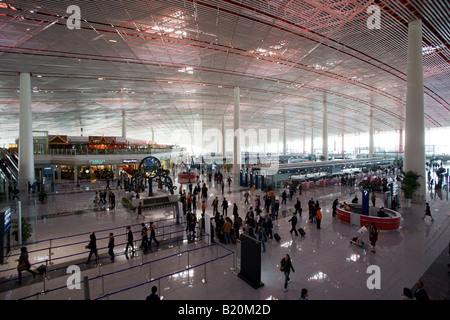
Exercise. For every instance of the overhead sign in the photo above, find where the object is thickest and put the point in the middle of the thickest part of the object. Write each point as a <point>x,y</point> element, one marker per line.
<point>365,202</point>
<point>7,224</point>
<point>97,162</point>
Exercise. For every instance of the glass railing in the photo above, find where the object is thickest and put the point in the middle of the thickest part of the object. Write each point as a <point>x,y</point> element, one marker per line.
<point>75,152</point>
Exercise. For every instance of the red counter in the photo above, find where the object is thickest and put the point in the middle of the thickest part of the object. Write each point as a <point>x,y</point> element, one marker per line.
<point>185,177</point>
<point>387,224</point>
<point>343,215</point>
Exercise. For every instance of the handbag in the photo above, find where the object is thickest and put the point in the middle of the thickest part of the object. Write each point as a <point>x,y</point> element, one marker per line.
<point>22,266</point>
<point>282,263</point>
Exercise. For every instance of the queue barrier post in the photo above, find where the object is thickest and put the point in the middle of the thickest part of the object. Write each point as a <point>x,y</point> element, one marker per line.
<point>103,285</point>
<point>149,276</point>
<point>87,295</point>
<point>187,267</point>
<point>204,272</point>
<point>50,252</point>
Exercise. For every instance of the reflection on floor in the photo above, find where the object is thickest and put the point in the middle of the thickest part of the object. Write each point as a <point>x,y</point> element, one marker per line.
<point>324,260</point>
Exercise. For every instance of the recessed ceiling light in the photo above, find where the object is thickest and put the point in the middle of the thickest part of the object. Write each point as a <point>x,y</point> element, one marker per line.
<point>101,78</point>
<point>112,40</point>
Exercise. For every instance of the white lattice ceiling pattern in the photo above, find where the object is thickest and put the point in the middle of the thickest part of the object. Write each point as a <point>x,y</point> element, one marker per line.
<point>170,63</point>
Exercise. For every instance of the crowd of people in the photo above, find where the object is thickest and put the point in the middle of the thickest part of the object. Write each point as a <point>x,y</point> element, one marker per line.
<point>262,209</point>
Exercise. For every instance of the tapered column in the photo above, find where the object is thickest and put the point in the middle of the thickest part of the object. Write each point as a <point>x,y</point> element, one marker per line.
<point>371,143</point>
<point>414,115</point>
<point>26,157</point>
<point>312,141</point>
<point>325,130</point>
<point>400,141</point>
<point>237,134</point>
<point>124,124</point>
<point>223,137</point>
<point>284,134</point>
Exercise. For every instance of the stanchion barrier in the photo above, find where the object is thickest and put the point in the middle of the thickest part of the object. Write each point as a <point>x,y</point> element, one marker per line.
<point>204,280</point>
<point>99,265</point>
<point>87,295</point>
<point>103,285</point>
<point>115,272</point>
<point>173,255</point>
<point>162,277</point>
<point>56,269</point>
<point>50,252</point>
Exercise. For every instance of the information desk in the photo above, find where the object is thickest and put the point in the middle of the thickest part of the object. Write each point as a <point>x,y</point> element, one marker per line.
<point>185,177</point>
<point>354,217</point>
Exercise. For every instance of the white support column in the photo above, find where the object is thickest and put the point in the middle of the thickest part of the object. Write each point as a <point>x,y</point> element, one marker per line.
<point>284,134</point>
<point>325,129</point>
<point>26,156</point>
<point>237,134</point>
<point>223,138</point>
<point>371,139</point>
<point>312,140</point>
<point>414,115</point>
<point>400,141</point>
<point>124,124</point>
<point>75,174</point>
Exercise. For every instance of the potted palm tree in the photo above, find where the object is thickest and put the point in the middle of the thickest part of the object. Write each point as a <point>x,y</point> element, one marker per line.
<point>27,230</point>
<point>410,184</point>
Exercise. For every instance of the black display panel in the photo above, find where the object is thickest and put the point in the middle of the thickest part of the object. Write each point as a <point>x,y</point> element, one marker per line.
<point>251,261</point>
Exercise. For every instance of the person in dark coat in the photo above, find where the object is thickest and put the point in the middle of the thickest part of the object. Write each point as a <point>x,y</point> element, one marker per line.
<point>24,264</point>
<point>293,222</point>
<point>111,246</point>
<point>92,246</point>
<point>286,267</point>
<point>420,293</point>
<point>373,236</point>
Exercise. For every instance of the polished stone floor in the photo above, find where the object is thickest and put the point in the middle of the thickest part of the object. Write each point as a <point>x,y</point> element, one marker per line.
<point>324,260</point>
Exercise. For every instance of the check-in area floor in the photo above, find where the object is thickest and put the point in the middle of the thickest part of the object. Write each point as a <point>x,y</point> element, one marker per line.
<point>325,262</point>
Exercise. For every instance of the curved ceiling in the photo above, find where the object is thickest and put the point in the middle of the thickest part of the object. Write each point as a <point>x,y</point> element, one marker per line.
<point>170,63</point>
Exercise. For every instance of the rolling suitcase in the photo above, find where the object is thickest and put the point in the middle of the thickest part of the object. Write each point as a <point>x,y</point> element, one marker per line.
<point>302,232</point>
<point>277,237</point>
<point>233,238</point>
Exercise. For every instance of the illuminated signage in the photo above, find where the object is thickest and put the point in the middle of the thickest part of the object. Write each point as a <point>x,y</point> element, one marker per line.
<point>97,162</point>
<point>7,220</point>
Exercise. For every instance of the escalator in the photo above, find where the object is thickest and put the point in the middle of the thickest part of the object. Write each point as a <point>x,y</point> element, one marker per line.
<point>9,169</point>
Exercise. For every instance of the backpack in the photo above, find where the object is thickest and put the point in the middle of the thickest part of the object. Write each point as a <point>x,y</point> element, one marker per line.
<point>282,264</point>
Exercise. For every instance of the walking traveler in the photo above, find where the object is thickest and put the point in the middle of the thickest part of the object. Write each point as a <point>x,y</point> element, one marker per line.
<point>286,267</point>
<point>24,264</point>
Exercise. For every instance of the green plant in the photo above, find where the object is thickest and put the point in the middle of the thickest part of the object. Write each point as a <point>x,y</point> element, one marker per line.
<point>42,195</point>
<point>410,183</point>
<point>27,231</point>
<point>127,203</point>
